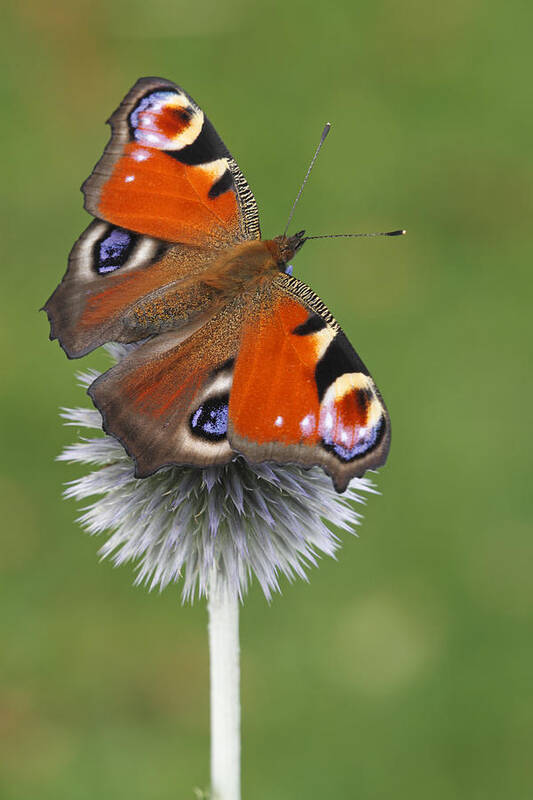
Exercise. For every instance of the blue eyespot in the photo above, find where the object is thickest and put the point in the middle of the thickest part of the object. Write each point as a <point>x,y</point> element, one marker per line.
<point>112,251</point>
<point>365,442</point>
<point>210,420</point>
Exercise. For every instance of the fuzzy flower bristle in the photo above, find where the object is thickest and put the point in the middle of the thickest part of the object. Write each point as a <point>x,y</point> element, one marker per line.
<point>184,522</point>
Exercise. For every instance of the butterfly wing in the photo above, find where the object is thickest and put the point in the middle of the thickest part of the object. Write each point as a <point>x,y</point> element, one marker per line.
<point>166,172</point>
<point>301,393</point>
<point>123,287</point>
<point>270,376</point>
<point>165,177</point>
<point>167,401</point>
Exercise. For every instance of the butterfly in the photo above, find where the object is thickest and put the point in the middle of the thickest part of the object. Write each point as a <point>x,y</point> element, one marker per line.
<point>234,355</point>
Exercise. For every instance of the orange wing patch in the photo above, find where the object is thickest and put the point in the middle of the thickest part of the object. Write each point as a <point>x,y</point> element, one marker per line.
<point>274,397</point>
<point>152,192</point>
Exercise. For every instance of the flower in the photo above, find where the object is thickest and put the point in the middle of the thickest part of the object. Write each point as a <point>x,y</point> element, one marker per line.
<point>184,522</point>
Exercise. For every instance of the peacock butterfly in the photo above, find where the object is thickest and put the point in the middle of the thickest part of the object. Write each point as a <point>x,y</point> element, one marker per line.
<point>235,355</point>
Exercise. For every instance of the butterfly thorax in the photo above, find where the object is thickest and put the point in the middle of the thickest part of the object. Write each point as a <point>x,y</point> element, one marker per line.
<point>245,265</point>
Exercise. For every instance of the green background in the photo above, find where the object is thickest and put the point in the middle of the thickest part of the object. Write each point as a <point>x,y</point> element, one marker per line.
<point>404,669</point>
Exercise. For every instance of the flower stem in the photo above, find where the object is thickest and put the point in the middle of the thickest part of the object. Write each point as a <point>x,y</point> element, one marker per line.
<point>223,609</point>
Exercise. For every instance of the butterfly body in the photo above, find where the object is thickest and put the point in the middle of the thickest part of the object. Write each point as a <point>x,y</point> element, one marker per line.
<point>234,355</point>
<point>248,264</point>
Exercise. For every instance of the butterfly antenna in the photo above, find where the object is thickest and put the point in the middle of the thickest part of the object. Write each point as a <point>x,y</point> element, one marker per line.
<point>325,132</point>
<point>400,232</point>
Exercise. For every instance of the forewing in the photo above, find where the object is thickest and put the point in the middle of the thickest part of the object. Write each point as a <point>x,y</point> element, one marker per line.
<point>300,392</point>
<point>166,172</point>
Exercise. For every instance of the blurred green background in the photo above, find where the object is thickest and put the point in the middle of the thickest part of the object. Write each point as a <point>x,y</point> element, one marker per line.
<point>404,669</point>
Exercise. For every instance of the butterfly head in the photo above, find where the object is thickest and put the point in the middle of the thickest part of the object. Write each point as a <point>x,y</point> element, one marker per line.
<point>285,247</point>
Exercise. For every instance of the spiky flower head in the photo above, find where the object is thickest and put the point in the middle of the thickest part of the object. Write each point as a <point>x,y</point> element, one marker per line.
<point>188,523</point>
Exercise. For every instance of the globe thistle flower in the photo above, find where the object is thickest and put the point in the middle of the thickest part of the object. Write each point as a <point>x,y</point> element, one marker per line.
<point>239,520</point>
<point>214,529</point>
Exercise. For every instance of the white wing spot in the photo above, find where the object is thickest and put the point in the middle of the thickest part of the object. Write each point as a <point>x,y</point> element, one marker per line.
<point>307,423</point>
<point>278,422</point>
<point>140,155</point>
<point>129,178</point>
